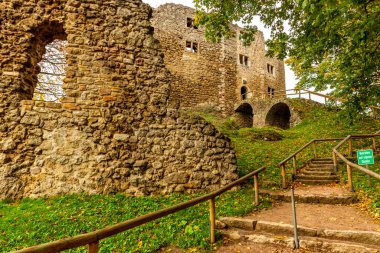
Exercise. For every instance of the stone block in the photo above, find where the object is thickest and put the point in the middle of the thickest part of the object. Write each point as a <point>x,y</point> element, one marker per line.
<point>121,137</point>
<point>70,106</point>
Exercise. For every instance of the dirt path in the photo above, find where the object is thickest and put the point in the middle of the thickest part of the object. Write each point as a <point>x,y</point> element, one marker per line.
<point>324,216</point>
<point>321,216</point>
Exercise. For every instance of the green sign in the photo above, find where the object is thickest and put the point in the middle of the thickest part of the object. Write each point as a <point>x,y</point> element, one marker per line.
<point>365,157</point>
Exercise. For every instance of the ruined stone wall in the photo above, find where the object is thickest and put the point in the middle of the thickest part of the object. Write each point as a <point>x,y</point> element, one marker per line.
<point>115,130</point>
<point>213,75</point>
<point>199,75</point>
<point>256,74</point>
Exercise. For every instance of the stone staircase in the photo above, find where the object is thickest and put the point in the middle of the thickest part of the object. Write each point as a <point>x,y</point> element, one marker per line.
<point>317,172</point>
<point>323,225</point>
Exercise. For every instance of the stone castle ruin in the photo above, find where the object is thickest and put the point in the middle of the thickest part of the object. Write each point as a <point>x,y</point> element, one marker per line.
<point>115,130</point>
<point>238,80</point>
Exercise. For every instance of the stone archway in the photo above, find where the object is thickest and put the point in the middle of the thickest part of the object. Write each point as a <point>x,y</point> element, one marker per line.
<point>244,115</point>
<point>278,116</point>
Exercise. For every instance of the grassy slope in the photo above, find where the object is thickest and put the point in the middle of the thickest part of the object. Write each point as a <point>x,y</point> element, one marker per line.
<point>318,122</point>
<point>29,222</point>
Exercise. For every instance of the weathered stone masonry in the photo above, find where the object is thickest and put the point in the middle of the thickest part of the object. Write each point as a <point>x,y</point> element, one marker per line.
<point>216,73</point>
<point>115,131</point>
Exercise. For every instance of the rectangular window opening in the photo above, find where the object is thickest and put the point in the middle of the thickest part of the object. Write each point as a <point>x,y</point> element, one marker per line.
<point>243,60</point>
<point>190,23</point>
<point>246,61</point>
<point>195,47</point>
<point>270,92</point>
<point>192,46</point>
<point>270,69</point>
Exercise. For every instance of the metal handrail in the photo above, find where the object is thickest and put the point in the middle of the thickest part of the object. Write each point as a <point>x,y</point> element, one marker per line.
<point>92,239</point>
<point>349,164</point>
<point>293,156</point>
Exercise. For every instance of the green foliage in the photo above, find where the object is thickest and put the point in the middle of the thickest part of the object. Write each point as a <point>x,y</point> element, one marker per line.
<point>318,122</point>
<point>264,134</point>
<point>230,124</point>
<point>331,44</point>
<point>34,221</point>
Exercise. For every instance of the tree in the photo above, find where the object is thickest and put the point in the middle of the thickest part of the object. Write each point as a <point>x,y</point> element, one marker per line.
<point>331,44</point>
<point>53,71</point>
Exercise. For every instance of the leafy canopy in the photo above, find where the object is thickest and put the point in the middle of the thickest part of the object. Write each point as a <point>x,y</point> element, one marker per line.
<point>330,44</point>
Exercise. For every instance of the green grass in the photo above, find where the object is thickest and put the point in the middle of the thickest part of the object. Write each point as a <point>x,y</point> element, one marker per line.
<point>318,122</point>
<point>29,222</point>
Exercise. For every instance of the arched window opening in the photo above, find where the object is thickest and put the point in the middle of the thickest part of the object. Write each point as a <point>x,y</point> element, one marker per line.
<point>52,72</point>
<point>279,116</point>
<point>244,115</point>
<point>243,92</point>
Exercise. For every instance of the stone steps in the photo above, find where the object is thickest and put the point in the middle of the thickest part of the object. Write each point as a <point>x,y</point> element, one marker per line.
<point>343,199</point>
<point>324,166</point>
<point>322,162</point>
<point>352,240</point>
<point>301,177</point>
<point>318,182</point>
<point>308,244</point>
<point>318,171</point>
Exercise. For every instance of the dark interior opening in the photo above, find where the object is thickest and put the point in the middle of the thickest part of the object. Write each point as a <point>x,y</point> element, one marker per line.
<point>243,92</point>
<point>279,116</point>
<point>244,115</point>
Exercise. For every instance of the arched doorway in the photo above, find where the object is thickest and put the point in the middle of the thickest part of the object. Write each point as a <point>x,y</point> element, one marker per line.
<point>244,115</point>
<point>279,116</point>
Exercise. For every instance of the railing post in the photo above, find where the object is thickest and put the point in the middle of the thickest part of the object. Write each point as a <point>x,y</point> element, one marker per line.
<point>212,220</point>
<point>349,175</point>
<point>256,186</point>
<point>299,93</point>
<point>283,176</point>
<point>315,149</point>
<point>309,95</point>
<point>314,145</point>
<point>368,176</point>
<point>325,100</point>
<point>374,145</point>
<point>93,247</point>
<point>294,216</point>
<point>294,165</point>
<point>350,149</point>
<point>335,160</point>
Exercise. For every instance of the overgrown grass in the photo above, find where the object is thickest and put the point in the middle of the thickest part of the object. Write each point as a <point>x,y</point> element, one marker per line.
<point>29,222</point>
<point>317,122</point>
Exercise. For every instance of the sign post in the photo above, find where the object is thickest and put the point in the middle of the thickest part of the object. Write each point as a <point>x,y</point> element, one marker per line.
<point>365,157</point>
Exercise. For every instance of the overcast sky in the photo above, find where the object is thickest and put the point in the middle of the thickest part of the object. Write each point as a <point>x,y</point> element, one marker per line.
<point>289,75</point>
